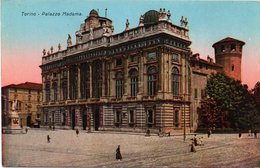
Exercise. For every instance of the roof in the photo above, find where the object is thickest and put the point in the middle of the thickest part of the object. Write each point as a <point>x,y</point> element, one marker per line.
<point>228,39</point>
<point>26,85</point>
<point>151,17</point>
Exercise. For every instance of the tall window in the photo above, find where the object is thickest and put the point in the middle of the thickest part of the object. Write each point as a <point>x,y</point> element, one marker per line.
<point>97,79</point>
<point>119,84</point>
<point>152,79</point>
<point>195,93</point>
<point>64,90</point>
<point>55,91</point>
<point>175,81</point>
<point>48,92</point>
<point>134,82</point>
<point>84,81</point>
<point>73,82</point>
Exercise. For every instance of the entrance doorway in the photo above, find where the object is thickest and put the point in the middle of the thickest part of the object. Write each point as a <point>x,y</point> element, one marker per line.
<point>73,119</point>
<point>28,121</point>
<point>96,118</point>
<point>84,120</point>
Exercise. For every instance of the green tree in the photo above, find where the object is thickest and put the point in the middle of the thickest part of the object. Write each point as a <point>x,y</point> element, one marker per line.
<point>234,99</point>
<point>211,114</point>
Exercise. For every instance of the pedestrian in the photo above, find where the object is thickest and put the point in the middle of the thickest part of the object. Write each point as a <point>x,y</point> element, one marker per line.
<point>249,132</point>
<point>48,139</point>
<point>147,133</point>
<point>118,153</point>
<point>239,134</point>
<point>192,149</point>
<point>77,132</point>
<point>255,133</point>
<point>53,128</point>
<point>26,130</point>
<point>195,140</point>
<point>209,132</point>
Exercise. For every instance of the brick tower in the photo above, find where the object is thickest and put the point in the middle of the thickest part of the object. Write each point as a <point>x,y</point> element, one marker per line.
<point>228,53</point>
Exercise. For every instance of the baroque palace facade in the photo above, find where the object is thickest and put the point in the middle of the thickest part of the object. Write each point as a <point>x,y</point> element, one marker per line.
<point>141,78</point>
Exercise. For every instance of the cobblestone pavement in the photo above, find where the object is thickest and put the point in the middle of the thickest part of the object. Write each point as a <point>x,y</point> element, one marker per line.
<point>98,150</point>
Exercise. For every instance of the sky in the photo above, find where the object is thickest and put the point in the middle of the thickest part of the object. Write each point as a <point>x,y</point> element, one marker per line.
<point>23,37</point>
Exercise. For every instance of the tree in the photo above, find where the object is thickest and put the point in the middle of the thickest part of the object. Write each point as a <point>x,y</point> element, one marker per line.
<point>211,114</point>
<point>233,98</point>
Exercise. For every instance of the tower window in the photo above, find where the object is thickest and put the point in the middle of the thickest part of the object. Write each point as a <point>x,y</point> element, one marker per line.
<point>232,67</point>
<point>222,48</point>
<point>233,47</point>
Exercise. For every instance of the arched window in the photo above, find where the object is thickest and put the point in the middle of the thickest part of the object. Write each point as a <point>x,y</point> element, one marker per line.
<point>97,79</point>
<point>134,82</point>
<point>47,93</point>
<point>152,80</point>
<point>55,91</point>
<point>119,84</point>
<point>175,81</point>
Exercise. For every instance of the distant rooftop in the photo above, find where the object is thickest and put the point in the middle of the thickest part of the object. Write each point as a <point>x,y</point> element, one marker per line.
<point>26,85</point>
<point>228,39</point>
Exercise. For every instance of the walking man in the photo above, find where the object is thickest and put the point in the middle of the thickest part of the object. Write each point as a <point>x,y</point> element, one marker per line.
<point>48,139</point>
<point>77,132</point>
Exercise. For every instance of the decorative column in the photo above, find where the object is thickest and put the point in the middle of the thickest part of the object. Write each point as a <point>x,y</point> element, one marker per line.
<point>68,83</point>
<point>59,86</point>
<point>141,74</point>
<point>90,80</point>
<point>79,91</point>
<point>125,70</point>
<point>43,90</point>
<point>103,78</point>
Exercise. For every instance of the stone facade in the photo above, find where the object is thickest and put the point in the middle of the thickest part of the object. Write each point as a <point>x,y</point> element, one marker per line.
<point>29,99</point>
<point>141,78</point>
<point>133,80</point>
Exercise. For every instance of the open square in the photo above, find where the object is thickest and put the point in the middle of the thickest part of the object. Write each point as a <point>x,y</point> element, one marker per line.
<point>98,149</point>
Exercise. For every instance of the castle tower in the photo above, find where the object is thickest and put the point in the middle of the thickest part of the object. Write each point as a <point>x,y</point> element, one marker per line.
<point>228,53</point>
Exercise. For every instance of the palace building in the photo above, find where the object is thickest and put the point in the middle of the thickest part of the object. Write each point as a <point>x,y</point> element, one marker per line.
<point>144,77</point>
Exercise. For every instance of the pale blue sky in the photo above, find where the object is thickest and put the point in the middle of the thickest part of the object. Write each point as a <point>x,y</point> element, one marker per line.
<point>24,37</point>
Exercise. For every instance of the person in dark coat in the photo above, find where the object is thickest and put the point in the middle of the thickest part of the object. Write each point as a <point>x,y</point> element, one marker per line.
<point>77,132</point>
<point>118,153</point>
<point>255,133</point>
<point>209,132</point>
<point>26,130</point>
<point>48,139</point>
<point>239,134</point>
<point>192,149</point>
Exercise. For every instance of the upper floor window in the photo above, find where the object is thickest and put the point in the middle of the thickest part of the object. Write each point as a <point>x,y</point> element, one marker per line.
<point>175,57</point>
<point>47,93</point>
<point>119,84</point>
<point>152,80</point>
<point>195,93</point>
<point>134,82</point>
<point>55,89</point>
<point>233,68</point>
<point>119,62</point>
<point>151,55</point>
<point>133,58</point>
<point>175,81</point>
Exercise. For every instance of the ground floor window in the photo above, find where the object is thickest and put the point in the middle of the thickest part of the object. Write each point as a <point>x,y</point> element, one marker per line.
<point>150,117</point>
<point>176,118</point>
<point>118,118</point>
<point>131,118</point>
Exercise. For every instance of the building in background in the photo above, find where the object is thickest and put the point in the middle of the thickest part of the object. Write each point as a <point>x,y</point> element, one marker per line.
<point>144,77</point>
<point>29,99</point>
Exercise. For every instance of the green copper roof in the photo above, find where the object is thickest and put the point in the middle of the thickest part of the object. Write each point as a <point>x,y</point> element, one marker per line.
<point>151,17</point>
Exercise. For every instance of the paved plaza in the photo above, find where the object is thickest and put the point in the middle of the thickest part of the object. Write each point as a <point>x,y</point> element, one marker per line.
<point>98,149</point>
